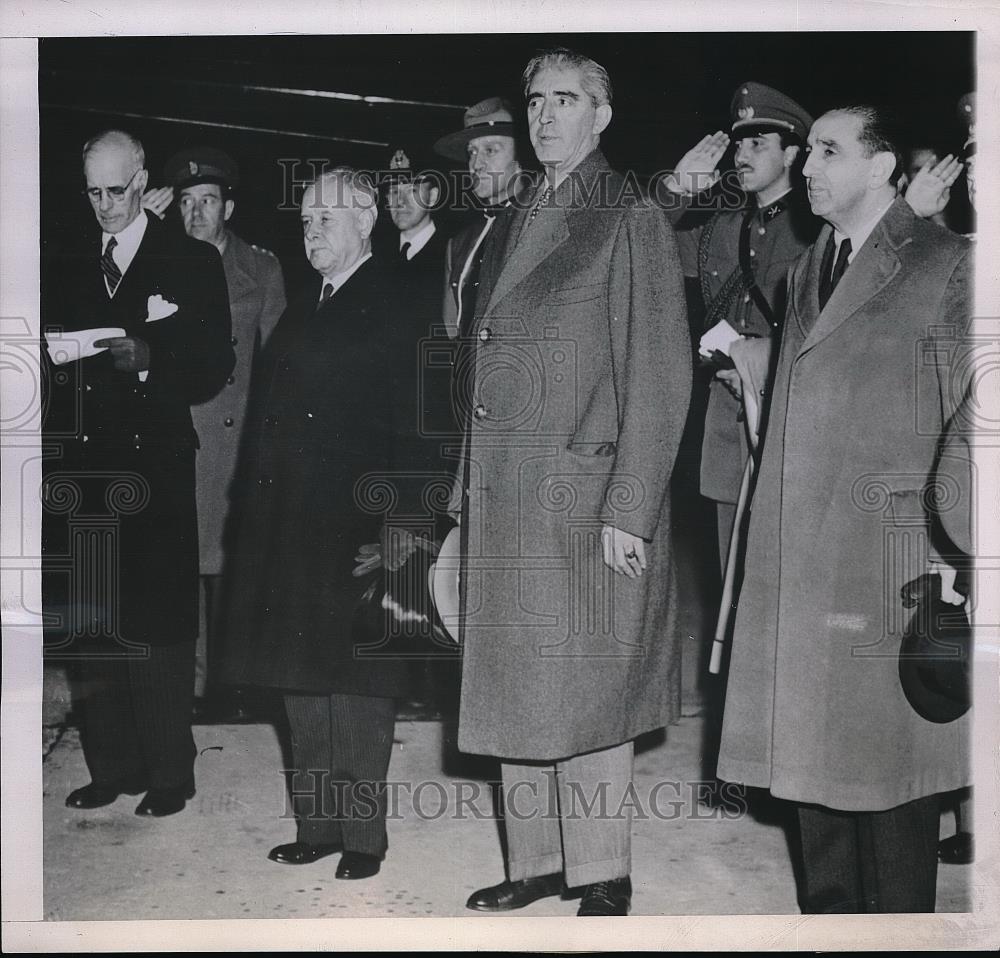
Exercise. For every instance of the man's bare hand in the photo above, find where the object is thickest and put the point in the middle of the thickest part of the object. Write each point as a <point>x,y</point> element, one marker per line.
<point>157,201</point>
<point>930,190</point>
<point>730,378</point>
<point>130,354</point>
<point>623,552</point>
<point>696,171</point>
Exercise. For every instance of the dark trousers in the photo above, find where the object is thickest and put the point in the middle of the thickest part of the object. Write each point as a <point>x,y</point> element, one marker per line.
<point>137,716</point>
<point>870,862</point>
<point>341,745</point>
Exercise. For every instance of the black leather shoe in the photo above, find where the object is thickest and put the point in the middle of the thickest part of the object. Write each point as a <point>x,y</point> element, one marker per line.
<point>358,865</point>
<point>166,801</point>
<point>301,853</point>
<point>509,895</point>
<point>957,850</point>
<point>97,796</point>
<point>604,899</point>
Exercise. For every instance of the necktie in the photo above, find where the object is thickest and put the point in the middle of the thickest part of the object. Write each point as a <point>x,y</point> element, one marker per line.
<point>109,267</point>
<point>542,200</point>
<point>403,250</point>
<point>829,278</point>
<point>324,297</point>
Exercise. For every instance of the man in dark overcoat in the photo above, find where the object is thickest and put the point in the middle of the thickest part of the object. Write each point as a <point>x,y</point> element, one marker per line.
<point>120,533</point>
<point>863,392</point>
<point>328,408</point>
<point>579,395</point>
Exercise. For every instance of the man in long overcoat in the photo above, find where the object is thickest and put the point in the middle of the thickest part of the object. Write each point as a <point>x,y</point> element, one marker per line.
<point>580,391</point>
<point>863,392</point>
<point>327,408</point>
<point>120,537</point>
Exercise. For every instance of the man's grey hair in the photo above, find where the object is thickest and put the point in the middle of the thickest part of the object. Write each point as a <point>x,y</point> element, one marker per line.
<point>117,138</point>
<point>593,77</point>
<point>333,186</point>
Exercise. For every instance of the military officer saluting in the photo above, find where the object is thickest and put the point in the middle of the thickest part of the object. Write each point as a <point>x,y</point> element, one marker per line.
<point>204,181</point>
<point>741,258</point>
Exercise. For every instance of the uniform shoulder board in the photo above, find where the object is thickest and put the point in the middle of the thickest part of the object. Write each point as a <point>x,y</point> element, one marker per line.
<point>260,249</point>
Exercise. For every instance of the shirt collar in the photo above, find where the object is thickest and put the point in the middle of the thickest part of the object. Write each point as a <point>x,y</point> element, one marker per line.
<point>859,235</point>
<point>127,240</point>
<point>338,279</point>
<point>419,239</point>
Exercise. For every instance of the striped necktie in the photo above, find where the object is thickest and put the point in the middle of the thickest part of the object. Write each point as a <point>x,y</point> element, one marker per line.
<point>109,267</point>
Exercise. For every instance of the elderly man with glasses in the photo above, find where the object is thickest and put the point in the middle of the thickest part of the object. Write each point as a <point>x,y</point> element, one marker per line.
<point>137,328</point>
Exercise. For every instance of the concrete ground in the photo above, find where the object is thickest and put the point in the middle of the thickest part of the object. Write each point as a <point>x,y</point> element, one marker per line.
<point>209,861</point>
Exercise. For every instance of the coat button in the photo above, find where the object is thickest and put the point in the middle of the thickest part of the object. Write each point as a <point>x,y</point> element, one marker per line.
<point>753,252</point>
<point>88,387</point>
<point>270,420</point>
<point>715,272</point>
<point>234,341</point>
<point>230,380</point>
<point>479,412</point>
<point>228,421</point>
<point>761,230</point>
<point>485,334</point>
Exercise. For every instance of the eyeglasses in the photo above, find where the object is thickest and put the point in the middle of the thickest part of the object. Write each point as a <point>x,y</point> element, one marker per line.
<point>94,193</point>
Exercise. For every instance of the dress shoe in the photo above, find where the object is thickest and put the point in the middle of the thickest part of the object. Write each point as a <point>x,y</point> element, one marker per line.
<point>957,850</point>
<point>509,895</point>
<point>166,801</point>
<point>95,795</point>
<point>301,853</point>
<point>606,898</point>
<point>358,865</point>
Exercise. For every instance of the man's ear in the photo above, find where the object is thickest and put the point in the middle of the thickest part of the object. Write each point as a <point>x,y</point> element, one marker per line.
<point>366,222</point>
<point>141,179</point>
<point>602,118</point>
<point>227,210</point>
<point>791,154</point>
<point>883,165</point>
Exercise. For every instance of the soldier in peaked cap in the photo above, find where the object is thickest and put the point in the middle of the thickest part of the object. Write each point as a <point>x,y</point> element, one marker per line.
<point>740,259</point>
<point>204,180</point>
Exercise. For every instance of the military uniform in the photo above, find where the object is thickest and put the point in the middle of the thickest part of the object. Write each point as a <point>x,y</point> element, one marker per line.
<point>741,259</point>
<point>257,299</point>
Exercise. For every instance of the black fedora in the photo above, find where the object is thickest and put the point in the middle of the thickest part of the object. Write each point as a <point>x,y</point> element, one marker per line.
<point>935,657</point>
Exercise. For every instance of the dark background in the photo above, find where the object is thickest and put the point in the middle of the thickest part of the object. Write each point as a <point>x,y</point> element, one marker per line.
<point>669,90</point>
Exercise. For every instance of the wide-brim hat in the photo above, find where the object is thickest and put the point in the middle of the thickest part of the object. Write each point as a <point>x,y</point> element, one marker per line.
<point>935,657</point>
<point>489,117</point>
<point>202,164</point>
<point>444,579</point>
<point>756,108</point>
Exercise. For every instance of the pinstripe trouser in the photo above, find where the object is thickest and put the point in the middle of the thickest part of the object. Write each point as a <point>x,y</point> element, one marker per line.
<point>570,816</point>
<point>341,745</point>
<point>137,716</point>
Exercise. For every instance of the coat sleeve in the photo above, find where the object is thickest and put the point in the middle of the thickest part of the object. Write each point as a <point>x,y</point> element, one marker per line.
<point>191,352</point>
<point>952,482</point>
<point>651,358</point>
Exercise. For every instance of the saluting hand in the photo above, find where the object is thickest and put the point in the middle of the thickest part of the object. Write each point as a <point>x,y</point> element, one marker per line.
<point>696,171</point>
<point>930,190</point>
<point>157,201</point>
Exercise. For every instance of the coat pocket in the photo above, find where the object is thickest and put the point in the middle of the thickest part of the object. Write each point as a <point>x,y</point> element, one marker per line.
<point>576,294</point>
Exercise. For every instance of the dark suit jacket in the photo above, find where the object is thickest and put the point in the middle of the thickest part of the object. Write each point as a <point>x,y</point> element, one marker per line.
<point>121,472</point>
<point>326,431</point>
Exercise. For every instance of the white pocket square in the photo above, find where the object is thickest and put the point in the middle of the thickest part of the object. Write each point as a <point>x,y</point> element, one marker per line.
<point>159,308</point>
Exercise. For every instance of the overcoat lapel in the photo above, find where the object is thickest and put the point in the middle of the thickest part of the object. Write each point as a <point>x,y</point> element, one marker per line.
<point>871,271</point>
<point>527,245</point>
